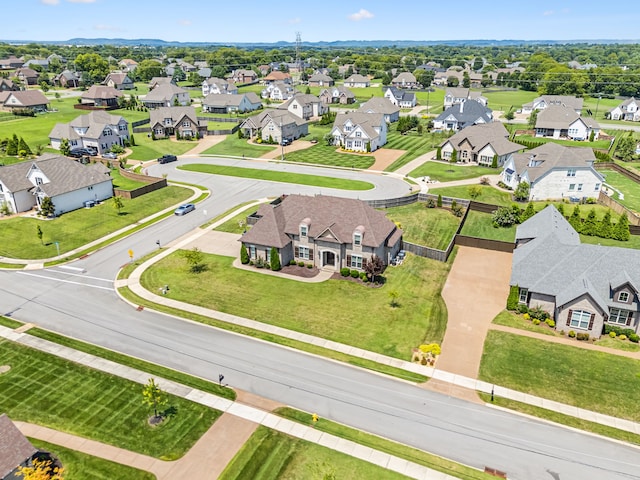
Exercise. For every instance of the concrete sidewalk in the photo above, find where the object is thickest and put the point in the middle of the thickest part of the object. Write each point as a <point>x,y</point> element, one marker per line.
<point>215,449</point>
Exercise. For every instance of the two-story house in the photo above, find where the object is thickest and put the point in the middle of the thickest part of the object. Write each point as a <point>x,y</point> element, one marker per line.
<point>119,81</point>
<point>457,95</point>
<point>27,75</point>
<point>544,101</point>
<point>305,106</point>
<point>167,95</point>
<point>462,115</point>
<point>481,144</point>
<point>218,86</point>
<point>183,121</point>
<point>381,105</point>
<point>278,91</point>
<point>101,96</point>
<point>337,94</point>
<point>628,110</point>
<point>243,76</point>
<point>98,129</point>
<point>400,98</point>
<point>359,131</point>
<point>405,80</point>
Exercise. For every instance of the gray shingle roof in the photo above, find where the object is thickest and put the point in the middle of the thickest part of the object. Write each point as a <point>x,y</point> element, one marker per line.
<point>357,78</point>
<point>14,446</point>
<point>467,113</point>
<point>367,121</point>
<point>27,98</point>
<point>483,134</point>
<point>164,92</point>
<point>552,155</point>
<point>379,105</point>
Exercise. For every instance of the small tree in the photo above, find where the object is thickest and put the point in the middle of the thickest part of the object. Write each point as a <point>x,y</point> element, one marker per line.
<point>47,208</point>
<point>590,225</point>
<point>533,118</point>
<point>439,153</point>
<point>373,266</point>
<point>512,299</point>
<point>529,212</point>
<point>575,220</point>
<point>12,147</point>
<point>509,115</point>
<point>505,216</point>
<point>118,204</point>
<point>592,136</point>
<point>22,146</point>
<point>240,134</point>
<point>39,233</point>
<point>621,229</point>
<point>494,162</point>
<point>439,202</point>
<point>153,397</point>
<point>132,140</point>
<point>605,228</point>
<point>274,260</point>
<point>244,254</point>
<point>65,149</point>
<point>393,295</point>
<point>195,260</point>
<point>40,470</point>
<point>474,191</point>
<point>454,156</point>
<point>561,209</point>
<point>522,191</point>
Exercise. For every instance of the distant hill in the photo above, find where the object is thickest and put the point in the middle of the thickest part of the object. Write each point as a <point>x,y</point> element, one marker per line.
<point>151,42</point>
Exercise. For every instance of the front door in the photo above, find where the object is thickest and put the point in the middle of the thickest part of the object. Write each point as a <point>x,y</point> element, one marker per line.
<point>328,259</point>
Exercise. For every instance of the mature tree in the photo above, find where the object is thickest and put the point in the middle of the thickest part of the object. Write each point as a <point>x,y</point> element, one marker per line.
<point>147,69</point>
<point>590,225</point>
<point>373,266</point>
<point>522,191</point>
<point>47,208</point>
<point>466,80</point>
<point>575,220</point>
<point>625,150</point>
<point>506,216</point>
<point>477,64</point>
<point>194,79</point>
<point>153,397</point>
<point>12,145</point>
<point>562,80</point>
<point>195,260</point>
<point>118,204</point>
<point>179,75</point>
<point>40,470</point>
<point>452,81</point>
<point>386,79</point>
<point>533,119</point>
<point>93,65</point>
<point>22,146</point>
<point>424,77</point>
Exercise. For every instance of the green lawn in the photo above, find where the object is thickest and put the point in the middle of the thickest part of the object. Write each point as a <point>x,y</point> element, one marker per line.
<point>148,149</point>
<point>488,194</point>
<point>446,172</point>
<point>512,319</point>
<point>629,188</point>
<point>587,379</point>
<point>602,106</point>
<point>633,242</point>
<point>322,154</point>
<point>597,144</point>
<point>69,397</point>
<point>274,176</point>
<point>234,146</point>
<point>340,310</point>
<point>431,227</point>
<point>271,455</point>
<point>124,183</point>
<point>80,466</point>
<point>506,99</point>
<point>414,144</point>
<point>77,228</point>
<point>478,224</point>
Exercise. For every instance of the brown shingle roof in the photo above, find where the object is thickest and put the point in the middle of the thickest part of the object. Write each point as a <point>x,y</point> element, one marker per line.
<point>27,98</point>
<point>14,446</point>
<point>101,91</point>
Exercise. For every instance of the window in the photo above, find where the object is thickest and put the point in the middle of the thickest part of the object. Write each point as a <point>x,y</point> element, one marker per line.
<point>571,172</point>
<point>619,316</point>
<point>465,154</point>
<point>303,252</point>
<point>186,123</point>
<point>579,187</point>
<point>356,261</point>
<point>38,181</point>
<point>507,178</point>
<point>357,239</point>
<point>347,128</point>
<point>597,188</point>
<point>580,319</point>
<point>168,121</point>
<point>623,297</point>
<point>357,143</point>
<point>303,230</point>
<point>522,297</point>
<point>358,134</point>
<point>572,186</point>
<point>252,251</point>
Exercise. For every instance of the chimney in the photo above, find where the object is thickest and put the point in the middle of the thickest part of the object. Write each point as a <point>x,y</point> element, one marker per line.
<point>461,106</point>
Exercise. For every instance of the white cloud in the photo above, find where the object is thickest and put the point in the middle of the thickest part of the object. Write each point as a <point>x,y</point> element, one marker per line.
<point>548,13</point>
<point>184,22</point>
<point>50,2</point>
<point>295,20</point>
<point>362,14</point>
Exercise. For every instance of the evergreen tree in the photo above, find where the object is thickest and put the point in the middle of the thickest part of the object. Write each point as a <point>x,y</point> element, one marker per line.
<point>575,220</point>
<point>12,147</point>
<point>65,149</point>
<point>22,146</point>
<point>274,260</point>
<point>512,299</point>
<point>605,229</point>
<point>590,225</point>
<point>454,157</point>
<point>494,162</point>
<point>560,208</point>
<point>244,255</point>
<point>439,153</point>
<point>621,229</point>
<point>439,201</point>
<point>529,212</point>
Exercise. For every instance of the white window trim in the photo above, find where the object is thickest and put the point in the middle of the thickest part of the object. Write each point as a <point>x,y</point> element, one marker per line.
<point>579,321</point>
<point>615,316</point>
<point>626,294</point>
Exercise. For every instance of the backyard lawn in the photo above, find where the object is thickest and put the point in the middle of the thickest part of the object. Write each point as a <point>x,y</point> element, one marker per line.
<point>566,374</point>
<point>340,310</point>
<point>80,466</point>
<point>597,144</point>
<point>124,183</point>
<point>322,154</point>
<point>478,224</point>
<point>629,189</point>
<point>446,172</point>
<point>77,228</point>
<point>275,176</point>
<point>44,389</point>
<point>234,146</point>
<point>271,455</point>
<point>507,99</point>
<point>488,194</point>
<point>431,227</point>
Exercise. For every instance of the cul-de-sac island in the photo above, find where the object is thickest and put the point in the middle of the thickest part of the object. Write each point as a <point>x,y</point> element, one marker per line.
<point>317,259</point>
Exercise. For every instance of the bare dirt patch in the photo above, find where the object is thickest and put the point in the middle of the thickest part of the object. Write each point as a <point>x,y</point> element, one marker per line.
<point>4,369</point>
<point>385,157</point>
<point>295,145</point>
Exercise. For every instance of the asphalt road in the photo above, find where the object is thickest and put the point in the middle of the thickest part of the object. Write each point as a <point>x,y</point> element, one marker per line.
<point>85,306</point>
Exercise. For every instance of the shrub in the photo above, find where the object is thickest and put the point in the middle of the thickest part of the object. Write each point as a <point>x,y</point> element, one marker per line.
<point>526,316</point>
<point>522,308</point>
<point>572,334</point>
<point>622,337</point>
<point>582,336</point>
<point>292,262</point>
<point>512,299</point>
<point>363,276</point>
<point>539,314</point>
<point>431,203</point>
<point>355,273</point>
<point>274,260</point>
<point>506,216</point>
<point>439,201</point>
<point>536,321</point>
<point>612,334</point>
<point>485,181</point>
<point>634,337</point>
<point>550,322</point>
<point>301,264</point>
<point>309,265</point>
<point>432,348</point>
<point>244,255</point>
<point>344,271</point>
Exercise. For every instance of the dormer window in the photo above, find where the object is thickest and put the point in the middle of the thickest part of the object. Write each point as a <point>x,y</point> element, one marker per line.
<point>304,230</point>
<point>357,238</point>
<point>623,297</point>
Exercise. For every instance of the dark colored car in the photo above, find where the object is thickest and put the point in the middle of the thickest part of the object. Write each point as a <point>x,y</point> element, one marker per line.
<point>184,209</point>
<point>167,159</point>
<point>285,142</point>
<point>79,152</point>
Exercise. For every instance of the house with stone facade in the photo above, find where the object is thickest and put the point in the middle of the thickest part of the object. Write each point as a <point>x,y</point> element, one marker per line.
<point>182,121</point>
<point>274,125</point>
<point>327,232</point>
<point>481,144</point>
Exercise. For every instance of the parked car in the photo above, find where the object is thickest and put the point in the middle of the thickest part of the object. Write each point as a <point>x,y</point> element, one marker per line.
<point>184,209</point>
<point>79,152</point>
<point>110,155</point>
<point>285,142</point>
<point>167,159</point>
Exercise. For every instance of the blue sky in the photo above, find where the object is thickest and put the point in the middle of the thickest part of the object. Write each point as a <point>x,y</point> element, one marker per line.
<point>323,20</point>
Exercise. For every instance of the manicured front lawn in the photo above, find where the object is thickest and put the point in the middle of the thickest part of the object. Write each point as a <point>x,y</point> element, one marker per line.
<point>488,194</point>
<point>414,144</point>
<point>587,379</point>
<point>478,224</point>
<point>80,466</point>
<point>629,189</point>
<point>43,389</point>
<point>82,226</point>
<point>340,310</point>
<point>271,455</point>
<point>512,319</point>
<point>234,146</point>
<point>446,172</point>
<point>322,154</point>
<point>431,227</point>
<point>287,177</point>
<point>148,149</point>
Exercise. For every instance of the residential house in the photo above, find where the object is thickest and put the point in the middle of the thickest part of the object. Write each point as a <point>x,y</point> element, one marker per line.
<point>563,122</point>
<point>204,72</point>
<point>264,70</point>
<point>357,81</point>
<point>215,103</point>
<point>337,94</point>
<point>578,66</point>
<point>554,172</point>
<point>400,98</point>
<point>456,95</point>
<point>127,65</point>
<point>480,144</point>
<point>119,81</point>
<point>461,115</point>
<point>27,76</point>
<point>320,80</point>
<point>305,106</point>
<point>628,110</point>
<point>218,86</point>
<point>186,67</point>
<point>101,96</point>
<point>243,76</point>
<point>7,85</point>
<point>99,130</point>
<point>359,131</point>
<point>40,62</point>
<point>15,450</point>
<point>183,121</point>
<point>156,81</point>
<point>442,78</point>
<point>24,100</point>
<point>274,125</point>
<point>277,76</point>
<point>68,183</point>
<point>278,91</point>
<point>67,79</point>
<point>583,287</point>
<point>167,95</point>
<point>405,80</point>
<point>10,62</point>
<point>328,232</point>
<point>381,105</point>
<point>545,101</point>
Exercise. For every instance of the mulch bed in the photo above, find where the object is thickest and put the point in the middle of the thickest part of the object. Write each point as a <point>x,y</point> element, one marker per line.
<point>303,272</point>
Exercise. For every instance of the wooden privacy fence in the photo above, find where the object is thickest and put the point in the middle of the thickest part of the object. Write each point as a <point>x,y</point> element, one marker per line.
<point>152,184</point>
